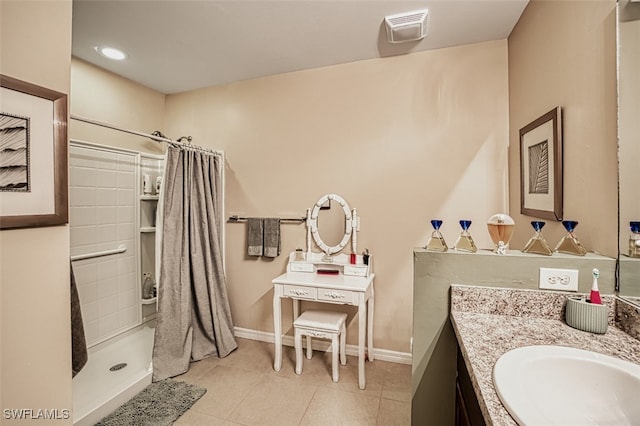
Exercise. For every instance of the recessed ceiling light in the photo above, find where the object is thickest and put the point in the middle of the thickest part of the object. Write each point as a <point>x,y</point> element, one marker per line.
<point>111,53</point>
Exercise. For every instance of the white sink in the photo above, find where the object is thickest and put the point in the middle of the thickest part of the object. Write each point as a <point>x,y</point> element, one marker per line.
<point>556,385</point>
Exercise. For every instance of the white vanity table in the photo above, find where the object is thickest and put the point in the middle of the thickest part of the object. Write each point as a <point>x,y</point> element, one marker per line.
<point>324,278</point>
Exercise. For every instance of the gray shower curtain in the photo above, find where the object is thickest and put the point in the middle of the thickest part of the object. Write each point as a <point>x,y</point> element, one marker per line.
<point>194,318</point>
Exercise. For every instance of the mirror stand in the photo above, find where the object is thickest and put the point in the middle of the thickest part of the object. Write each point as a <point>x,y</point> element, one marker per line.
<point>350,226</point>
<point>331,260</point>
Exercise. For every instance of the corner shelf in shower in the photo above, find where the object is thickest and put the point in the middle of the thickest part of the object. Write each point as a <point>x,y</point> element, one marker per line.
<point>151,165</point>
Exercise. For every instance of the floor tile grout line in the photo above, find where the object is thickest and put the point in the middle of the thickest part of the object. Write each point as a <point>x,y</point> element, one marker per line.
<point>379,409</point>
<point>246,395</point>
<point>235,406</point>
<point>306,409</point>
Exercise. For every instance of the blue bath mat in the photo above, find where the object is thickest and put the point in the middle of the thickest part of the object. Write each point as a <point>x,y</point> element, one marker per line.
<point>159,404</point>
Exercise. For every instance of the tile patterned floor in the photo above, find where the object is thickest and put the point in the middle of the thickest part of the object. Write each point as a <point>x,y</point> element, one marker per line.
<point>243,389</point>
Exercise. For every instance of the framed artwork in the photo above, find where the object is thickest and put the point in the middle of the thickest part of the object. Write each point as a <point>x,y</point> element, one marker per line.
<point>541,167</point>
<point>33,155</point>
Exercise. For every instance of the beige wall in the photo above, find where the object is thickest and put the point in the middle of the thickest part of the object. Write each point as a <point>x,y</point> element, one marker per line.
<point>403,139</point>
<point>100,95</point>
<point>34,263</point>
<point>563,53</point>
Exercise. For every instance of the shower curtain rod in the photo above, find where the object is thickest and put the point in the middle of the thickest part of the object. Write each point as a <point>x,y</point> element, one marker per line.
<point>155,136</point>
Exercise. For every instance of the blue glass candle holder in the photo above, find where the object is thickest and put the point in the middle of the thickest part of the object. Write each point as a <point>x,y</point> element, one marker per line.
<point>537,244</point>
<point>465,242</point>
<point>436,241</point>
<point>634,239</point>
<point>569,244</point>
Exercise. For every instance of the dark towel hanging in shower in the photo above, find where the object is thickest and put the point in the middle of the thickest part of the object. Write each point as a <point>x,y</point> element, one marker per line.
<point>79,355</point>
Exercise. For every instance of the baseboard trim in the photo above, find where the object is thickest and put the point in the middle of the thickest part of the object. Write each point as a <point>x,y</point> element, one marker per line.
<point>381,354</point>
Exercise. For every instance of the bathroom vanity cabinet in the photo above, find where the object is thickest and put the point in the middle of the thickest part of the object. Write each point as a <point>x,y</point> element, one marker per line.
<point>434,369</point>
<point>489,322</point>
<point>468,411</point>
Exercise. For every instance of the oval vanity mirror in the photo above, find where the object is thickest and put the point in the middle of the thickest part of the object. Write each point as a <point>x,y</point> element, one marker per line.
<point>331,225</point>
<point>331,218</point>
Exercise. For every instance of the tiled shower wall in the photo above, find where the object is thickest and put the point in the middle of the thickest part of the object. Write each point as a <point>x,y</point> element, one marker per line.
<point>103,217</point>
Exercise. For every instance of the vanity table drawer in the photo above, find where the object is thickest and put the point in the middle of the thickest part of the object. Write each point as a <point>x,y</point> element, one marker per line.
<point>301,267</point>
<point>300,292</point>
<point>356,270</point>
<point>339,296</point>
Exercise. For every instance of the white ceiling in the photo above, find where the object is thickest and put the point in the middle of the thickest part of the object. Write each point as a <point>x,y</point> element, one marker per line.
<point>181,45</point>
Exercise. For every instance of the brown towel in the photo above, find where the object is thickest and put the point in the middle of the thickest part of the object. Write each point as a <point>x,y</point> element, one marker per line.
<point>79,354</point>
<point>254,236</point>
<point>271,239</point>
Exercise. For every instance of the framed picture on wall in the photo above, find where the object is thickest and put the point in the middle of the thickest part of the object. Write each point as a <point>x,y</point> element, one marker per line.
<point>541,167</point>
<point>33,155</point>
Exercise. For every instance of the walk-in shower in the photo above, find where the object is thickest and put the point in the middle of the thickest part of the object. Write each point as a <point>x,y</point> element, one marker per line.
<point>113,246</point>
<point>116,371</point>
<point>112,237</point>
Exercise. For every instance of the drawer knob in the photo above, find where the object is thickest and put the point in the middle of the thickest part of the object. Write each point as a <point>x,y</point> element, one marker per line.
<point>299,292</point>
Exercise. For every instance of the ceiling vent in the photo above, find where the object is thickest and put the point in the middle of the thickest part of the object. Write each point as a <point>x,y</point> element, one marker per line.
<point>407,26</point>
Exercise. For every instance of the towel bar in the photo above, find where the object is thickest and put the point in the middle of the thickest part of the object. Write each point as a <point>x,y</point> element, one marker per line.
<point>120,249</point>
<point>236,218</point>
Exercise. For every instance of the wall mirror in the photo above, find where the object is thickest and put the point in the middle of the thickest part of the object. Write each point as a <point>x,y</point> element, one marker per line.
<point>628,143</point>
<point>338,224</point>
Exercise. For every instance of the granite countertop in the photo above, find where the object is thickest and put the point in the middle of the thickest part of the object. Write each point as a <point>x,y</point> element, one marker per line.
<point>489,322</point>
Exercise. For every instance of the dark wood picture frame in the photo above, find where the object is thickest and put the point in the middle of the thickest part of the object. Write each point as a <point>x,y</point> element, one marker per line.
<point>541,186</point>
<point>58,214</point>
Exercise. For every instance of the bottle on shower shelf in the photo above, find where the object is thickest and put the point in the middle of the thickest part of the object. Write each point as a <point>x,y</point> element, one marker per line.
<point>147,186</point>
<point>147,286</point>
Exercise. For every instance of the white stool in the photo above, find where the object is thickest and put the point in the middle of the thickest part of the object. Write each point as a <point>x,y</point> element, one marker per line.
<point>324,325</point>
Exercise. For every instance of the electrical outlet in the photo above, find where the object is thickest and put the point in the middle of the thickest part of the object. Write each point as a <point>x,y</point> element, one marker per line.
<point>558,279</point>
